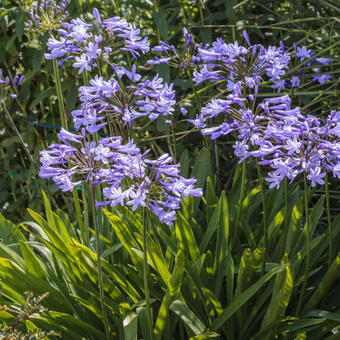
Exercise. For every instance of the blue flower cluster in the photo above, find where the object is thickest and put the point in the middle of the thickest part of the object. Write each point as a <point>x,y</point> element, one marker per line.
<point>48,15</point>
<point>303,145</point>
<point>127,98</point>
<point>271,130</point>
<point>309,71</point>
<point>241,65</point>
<point>85,43</point>
<point>129,177</point>
<point>277,134</point>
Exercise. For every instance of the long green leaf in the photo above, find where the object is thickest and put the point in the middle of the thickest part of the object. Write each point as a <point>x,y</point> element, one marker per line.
<point>280,298</point>
<point>170,295</point>
<point>189,318</point>
<point>243,298</point>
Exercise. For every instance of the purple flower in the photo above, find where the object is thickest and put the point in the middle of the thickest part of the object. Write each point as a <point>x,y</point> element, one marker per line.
<point>303,53</point>
<point>7,87</point>
<point>323,61</point>
<point>279,85</point>
<point>322,78</point>
<point>77,161</point>
<point>82,63</point>
<point>316,176</point>
<point>158,61</point>
<point>295,81</point>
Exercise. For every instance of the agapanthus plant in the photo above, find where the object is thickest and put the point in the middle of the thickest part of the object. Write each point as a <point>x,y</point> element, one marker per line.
<point>241,65</point>
<point>130,177</point>
<point>48,15</point>
<point>122,98</point>
<point>155,184</point>
<point>85,43</point>
<point>76,160</point>
<point>307,145</point>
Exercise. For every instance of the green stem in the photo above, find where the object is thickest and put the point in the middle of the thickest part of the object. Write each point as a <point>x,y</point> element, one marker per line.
<point>19,135</point>
<point>78,212</point>
<point>265,225</point>
<point>64,125</point>
<point>308,248</point>
<point>86,214</point>
<point>145,274</point>
<point>239,208</point>
<point>330,230</point>
<point>173,135</point>
<point>100,274</point>
<point>59,95</point>
<point>198,104</point>
<point>285,232</point>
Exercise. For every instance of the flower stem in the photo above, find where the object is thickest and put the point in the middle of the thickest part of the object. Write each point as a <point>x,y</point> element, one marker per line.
<point>64,125</point>
<point>145,274</point>
<point>330,230</point>
<point>18,135</point>
<point>59,95</point>
<point>239,208</point>
<point>78,213</point>
<point>100,274</point>
<point>308,248</point>
<point>285,232</point>
<point>198,104</point>
<point>265,225</point>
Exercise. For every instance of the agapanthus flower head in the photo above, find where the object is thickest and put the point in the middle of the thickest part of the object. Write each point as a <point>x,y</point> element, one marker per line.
<point>122,99</point>
<point>306,145</point>
<point>8,87</point>
<point>153,184</point>
<point>182,57</point>
<point>244,66</point>
<point>76,160</point>
<point>84,43</point>
<point>254,123</point>
<point>49,15</point>
<point>129,177</point>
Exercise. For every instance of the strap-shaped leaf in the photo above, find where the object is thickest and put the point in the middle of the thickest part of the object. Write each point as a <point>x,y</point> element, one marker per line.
<point>188,316</point>
<point>243,298</point>
<point>171,294</point>
<point>33,263</point>
<point>130,324</point>
<point>282,290</point>
<point>324,286</point>
<point>124,235</point>
<point>186,237</point>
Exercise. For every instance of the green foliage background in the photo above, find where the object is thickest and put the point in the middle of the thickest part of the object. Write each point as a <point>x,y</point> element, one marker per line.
<point>201,286</point>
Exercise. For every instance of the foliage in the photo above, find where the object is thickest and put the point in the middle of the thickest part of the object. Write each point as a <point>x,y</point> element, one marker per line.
<point>17,323</point>
<point>215,273</point>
